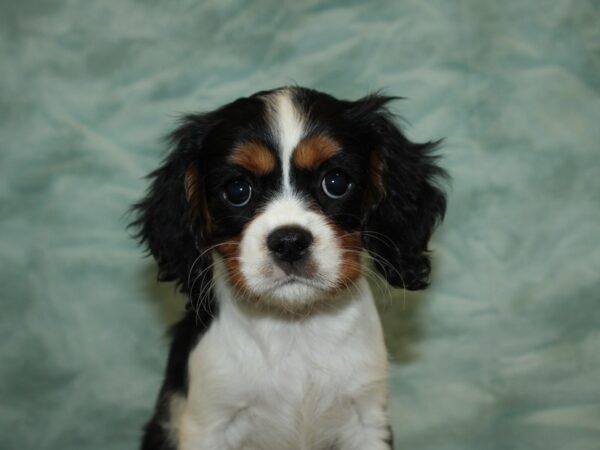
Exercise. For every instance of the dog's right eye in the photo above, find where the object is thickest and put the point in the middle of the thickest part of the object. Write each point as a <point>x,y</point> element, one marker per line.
<point>238,192</point>
<point>336,184</point>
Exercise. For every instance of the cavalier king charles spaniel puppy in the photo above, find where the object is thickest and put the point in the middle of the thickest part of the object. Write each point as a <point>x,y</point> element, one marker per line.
<point>267,212</point>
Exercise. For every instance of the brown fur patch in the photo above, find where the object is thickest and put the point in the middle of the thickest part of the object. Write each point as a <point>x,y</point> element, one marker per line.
<point>351,245</point>
<point>315,150</point>
<point>230,251</point>
<point>254,157</point>
<point>194,193</point>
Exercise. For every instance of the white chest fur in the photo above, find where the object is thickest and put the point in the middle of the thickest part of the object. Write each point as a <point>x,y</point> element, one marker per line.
<point>261,381</point>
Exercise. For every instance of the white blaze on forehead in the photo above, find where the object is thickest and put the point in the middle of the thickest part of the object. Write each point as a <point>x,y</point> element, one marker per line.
<point>288,127</point>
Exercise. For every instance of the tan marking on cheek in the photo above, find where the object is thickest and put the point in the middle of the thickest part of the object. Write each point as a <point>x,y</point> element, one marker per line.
<point>230,251</point>
<point>351,246</point>
<point>315,150</point>
<point>253,157</point>
<point>196,197</point>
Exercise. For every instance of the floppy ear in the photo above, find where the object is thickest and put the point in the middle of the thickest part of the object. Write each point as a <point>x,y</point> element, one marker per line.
<point>408,203</point>
<point>166,220</point>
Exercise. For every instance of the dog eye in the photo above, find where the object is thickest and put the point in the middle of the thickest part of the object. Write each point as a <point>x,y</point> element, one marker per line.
<point>238,192</point>
<point>336,184</point>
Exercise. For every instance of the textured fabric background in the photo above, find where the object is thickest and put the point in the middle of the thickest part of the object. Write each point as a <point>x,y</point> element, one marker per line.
<point>503,352</point>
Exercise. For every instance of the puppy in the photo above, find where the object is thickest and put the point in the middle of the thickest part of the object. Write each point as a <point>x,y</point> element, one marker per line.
<point>265,213</point>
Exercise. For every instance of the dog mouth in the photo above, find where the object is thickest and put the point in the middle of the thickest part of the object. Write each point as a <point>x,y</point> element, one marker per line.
<point>296,280</point>
<point>303,276</point>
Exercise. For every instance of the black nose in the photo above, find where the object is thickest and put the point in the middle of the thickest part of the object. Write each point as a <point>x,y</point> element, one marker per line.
<point>289,243</point>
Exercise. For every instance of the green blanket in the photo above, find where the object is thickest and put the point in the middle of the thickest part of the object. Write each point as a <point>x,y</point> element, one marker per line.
<point>503,352</point>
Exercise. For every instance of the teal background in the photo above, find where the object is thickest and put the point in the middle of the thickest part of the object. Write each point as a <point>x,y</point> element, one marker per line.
<point>503,352</point>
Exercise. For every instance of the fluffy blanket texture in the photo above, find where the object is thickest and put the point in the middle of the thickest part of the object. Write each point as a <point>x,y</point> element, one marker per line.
<point>501,353</point>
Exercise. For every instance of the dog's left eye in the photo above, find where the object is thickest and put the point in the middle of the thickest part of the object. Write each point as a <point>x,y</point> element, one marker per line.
<point>336,184</point>
<point>238,192</point>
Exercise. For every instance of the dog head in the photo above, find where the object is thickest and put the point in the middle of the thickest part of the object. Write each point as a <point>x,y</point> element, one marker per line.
<point>288,188</point>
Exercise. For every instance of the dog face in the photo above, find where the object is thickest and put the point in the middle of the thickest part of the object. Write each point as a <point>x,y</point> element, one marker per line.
<point>287,188</point>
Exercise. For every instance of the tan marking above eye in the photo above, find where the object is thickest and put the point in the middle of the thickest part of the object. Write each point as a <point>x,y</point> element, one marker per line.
<point>315,150</point>
<point>254,157</point>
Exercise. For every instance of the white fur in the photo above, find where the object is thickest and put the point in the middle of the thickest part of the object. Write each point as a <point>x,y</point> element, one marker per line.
<point>288,125</point>
<point>265,381</point>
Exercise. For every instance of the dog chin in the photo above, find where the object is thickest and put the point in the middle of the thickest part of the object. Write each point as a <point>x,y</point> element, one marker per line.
<point>295,292</point>
<point>292,294</point>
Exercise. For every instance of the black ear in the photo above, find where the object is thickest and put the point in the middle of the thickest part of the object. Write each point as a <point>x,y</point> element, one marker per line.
<point>166,220</point>
<point>408,203</point>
